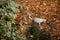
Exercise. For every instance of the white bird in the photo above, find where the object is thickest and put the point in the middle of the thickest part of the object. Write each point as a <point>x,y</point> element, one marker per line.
<point>37,20</point>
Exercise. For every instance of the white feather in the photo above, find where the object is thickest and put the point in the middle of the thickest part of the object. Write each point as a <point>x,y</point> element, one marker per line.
<point>39,20</point>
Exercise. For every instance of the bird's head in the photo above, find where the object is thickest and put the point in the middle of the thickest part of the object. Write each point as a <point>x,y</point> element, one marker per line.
<point>28,14</point>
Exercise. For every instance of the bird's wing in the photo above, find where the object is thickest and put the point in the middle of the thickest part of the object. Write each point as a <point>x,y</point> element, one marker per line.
<point>38,20</point>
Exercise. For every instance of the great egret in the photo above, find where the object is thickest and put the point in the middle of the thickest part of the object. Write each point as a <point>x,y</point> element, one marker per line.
<point>36,20</point>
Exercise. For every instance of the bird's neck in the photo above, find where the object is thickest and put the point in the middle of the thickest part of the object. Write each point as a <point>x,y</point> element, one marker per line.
<point>30,17</point>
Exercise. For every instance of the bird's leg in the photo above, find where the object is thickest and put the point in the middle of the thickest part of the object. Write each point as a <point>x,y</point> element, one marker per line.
<point>39,24</point>
<point>41,27</point>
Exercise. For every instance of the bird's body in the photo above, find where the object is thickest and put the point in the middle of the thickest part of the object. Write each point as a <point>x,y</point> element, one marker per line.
<point>39,20</point>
